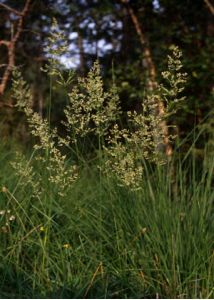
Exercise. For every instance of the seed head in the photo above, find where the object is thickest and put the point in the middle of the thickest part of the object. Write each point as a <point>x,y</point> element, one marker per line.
<point>4,189</point>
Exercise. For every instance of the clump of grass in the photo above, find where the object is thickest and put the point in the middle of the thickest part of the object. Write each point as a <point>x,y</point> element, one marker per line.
<point>114,231</point>
<point>143,244</point>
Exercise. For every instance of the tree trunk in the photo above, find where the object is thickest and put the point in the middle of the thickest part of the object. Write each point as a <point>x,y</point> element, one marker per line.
<point>11,44</point>
<point>81,53</point>
<point>152,77</point>
<point>210,6</point>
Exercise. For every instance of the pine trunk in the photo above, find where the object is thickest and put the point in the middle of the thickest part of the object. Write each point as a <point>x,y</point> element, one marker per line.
<point>152,78</point>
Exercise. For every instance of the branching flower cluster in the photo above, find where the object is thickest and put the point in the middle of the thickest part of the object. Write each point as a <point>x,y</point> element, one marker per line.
<point>28,178</point>
<point>56,45</point>
<point>48,142</point>
<point>175,80</point>
<point>6,218</point>
<point>129,147</point>
<point>92,110</point>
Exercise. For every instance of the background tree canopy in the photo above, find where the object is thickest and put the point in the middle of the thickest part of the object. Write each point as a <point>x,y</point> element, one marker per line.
<point>122,34</point>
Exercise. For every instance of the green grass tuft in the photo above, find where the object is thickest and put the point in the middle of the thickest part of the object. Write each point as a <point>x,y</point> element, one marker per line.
<point>105,241</point>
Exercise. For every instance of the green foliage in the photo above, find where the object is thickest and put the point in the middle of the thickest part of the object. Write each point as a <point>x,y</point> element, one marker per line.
<point>103,241</point>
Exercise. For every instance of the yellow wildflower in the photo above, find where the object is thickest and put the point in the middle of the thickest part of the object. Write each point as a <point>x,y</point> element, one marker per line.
<point>42,228</point>
<point>66,246</point>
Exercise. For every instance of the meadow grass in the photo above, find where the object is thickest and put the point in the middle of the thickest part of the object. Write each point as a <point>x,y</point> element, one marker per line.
<point>99,213</point>
<point>102,240</point>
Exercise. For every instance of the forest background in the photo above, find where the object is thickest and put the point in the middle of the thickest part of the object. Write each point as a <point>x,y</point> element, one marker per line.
<point>131,40</point>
